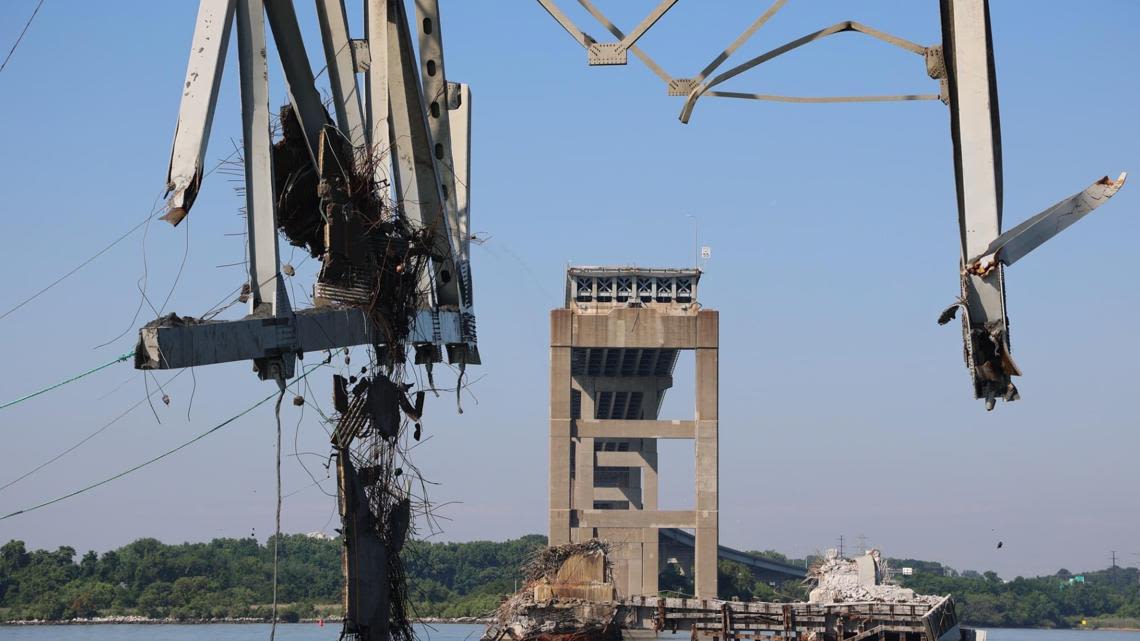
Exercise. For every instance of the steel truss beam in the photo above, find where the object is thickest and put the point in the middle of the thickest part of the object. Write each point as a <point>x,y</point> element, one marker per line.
<point>964,67</point>
<point>431,158</point>
<point>196,109</point>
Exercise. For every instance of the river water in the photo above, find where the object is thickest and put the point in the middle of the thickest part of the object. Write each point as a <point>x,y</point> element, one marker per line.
<point>438,632</point>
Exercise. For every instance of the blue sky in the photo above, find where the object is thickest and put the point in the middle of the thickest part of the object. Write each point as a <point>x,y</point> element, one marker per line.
<point>845,408</point>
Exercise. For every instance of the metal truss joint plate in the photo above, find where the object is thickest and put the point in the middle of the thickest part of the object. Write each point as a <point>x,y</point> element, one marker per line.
<point>935,62</point>
<point>606,53</point>
<point>361,58</point>
<point>454,95</point>
<point>681,86</point>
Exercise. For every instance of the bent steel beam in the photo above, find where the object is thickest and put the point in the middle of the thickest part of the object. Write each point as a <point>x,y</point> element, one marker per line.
<point>196,109</point>
<point>704,88</point>
<point>1014,244</point>
<point>976,135</point>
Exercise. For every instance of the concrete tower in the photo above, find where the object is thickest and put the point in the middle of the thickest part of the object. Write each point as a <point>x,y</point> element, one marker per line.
<point>613,348</point>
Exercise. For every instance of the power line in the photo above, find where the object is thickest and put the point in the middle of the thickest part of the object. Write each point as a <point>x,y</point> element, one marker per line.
<point>49,388</point>
<point>160,456</point>
<point>85,439</point>
<point>21,36</point>
<point>79,267</point>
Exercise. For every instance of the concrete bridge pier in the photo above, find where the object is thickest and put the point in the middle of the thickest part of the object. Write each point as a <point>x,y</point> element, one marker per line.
<point>613,350</point>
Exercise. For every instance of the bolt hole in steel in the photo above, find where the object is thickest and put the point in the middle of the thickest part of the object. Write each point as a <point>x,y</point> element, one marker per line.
<point>439,151</point>
<point>445,276</point>
<point>435,110</point>
<point>427,25</point>
<point>431,67</point>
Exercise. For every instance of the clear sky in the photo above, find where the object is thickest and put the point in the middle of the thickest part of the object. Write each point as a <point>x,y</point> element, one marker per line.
<point>845,409</point>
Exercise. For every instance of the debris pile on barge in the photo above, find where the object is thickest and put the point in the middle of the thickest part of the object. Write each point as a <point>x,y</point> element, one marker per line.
<point>569,596</point>
<point>862,579</point>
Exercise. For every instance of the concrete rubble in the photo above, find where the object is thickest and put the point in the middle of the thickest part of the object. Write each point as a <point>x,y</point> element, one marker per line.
<point>568,594</point>
<point>862,579</point>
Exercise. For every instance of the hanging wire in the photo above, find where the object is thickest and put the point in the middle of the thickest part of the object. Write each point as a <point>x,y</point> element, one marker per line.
<point>78,267</point>
<point>49,388</point>
<point>277,520</point>
<point>165,454</point>
<point>84,439</point>
<point>21,36</point>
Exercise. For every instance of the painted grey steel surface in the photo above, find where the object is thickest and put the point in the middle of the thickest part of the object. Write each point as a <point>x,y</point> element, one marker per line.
<point>459,103</point>
<point>976,136</point>
<point>174,345</point>
<point>415,180</point>
<point>268,295</point>
<point>303,95</point>
<point>1014,244</point>
<point>376,86</point>
<point>199,97</point>
<point>340,61</point>
<point>433,78</point>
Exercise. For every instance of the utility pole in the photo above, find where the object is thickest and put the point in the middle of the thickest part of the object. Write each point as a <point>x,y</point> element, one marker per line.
<point>841,546</point>
<point>1114,559</point>
<point>862,544</point>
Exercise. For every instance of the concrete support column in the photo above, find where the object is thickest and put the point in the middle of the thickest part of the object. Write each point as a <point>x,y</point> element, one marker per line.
<point>707,468</point>
<point>584,474</point>
<point>649,474</point>
<point>650,562</point>
<point>560,428</point>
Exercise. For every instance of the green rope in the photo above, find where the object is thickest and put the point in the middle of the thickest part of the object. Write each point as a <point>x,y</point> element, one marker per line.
<point>70,380</point>
<point>164,454</point>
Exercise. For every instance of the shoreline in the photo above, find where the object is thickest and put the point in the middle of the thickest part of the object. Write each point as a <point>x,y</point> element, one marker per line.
<point>139,620</point>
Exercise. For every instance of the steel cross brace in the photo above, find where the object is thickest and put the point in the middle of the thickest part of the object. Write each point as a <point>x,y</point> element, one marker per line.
<point>273,335</point>
<point>964,66</point>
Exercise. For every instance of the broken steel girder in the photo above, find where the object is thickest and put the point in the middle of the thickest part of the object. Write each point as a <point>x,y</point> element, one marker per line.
<point>196,109</point>
<point>174,343</point>
<point>431,178</point>
<point>964,66</point>
<point>1014,244</point>
<point>976,135</point>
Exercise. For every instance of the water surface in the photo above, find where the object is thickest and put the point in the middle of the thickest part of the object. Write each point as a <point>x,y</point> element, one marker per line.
<point>435,632</point>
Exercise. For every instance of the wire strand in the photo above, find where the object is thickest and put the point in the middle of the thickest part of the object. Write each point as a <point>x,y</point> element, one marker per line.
<point>49,388</point>
<point>82,441</point>
<point>277,530</point>
<point>21,36</point>
<point>79,267</point>
<point>155,459</point>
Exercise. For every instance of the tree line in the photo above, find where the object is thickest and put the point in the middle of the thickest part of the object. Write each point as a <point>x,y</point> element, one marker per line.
<point>231,578</point>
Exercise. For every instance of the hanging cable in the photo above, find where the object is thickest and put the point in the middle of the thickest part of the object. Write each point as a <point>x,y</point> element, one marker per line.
<point>21,36</point>
<point>120,359</point>
<point>78,267</point>
<point>277,529</point>
<point>160,456</point>
<point>84,440</point>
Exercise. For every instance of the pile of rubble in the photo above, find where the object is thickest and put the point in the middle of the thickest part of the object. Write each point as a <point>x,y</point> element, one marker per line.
<point>862,579</point>
<point>568,595</point>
